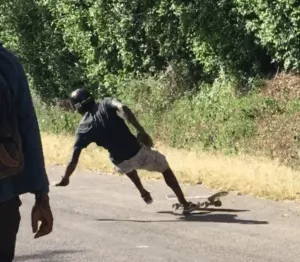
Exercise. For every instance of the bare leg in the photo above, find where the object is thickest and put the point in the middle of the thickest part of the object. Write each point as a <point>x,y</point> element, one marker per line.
<point>172,182</point>
<point>133,176</point>
<point>157,161</point>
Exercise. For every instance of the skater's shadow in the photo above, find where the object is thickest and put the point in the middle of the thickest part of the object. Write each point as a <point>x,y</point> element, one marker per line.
<point>208,210</point>
<point>205,216</point>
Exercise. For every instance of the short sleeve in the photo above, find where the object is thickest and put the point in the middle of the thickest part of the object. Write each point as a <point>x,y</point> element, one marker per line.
<point>83,134</point>
<point>108,101</point>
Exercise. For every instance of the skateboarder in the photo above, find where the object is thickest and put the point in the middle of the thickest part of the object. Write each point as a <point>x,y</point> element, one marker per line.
<point>103,123</point>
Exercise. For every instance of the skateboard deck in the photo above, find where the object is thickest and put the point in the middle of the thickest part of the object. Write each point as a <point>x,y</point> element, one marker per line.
<point>209,200</point>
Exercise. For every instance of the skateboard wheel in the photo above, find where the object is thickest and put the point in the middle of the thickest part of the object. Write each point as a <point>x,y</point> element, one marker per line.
<point>176,206</point>
<point>201,205</point>
<point>218,203</point>
<point>205,204</point>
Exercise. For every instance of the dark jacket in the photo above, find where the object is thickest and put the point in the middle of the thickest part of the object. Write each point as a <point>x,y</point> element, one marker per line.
<point>33,178</point>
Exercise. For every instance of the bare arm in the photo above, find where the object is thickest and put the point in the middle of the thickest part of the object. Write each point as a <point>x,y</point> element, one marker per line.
<point>70,168</point>
<point>128,115</point>
<point>73,163</point>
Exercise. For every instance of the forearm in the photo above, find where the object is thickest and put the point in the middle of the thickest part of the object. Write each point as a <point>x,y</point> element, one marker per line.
<point>130,117</point>
<point>37,167</point>
<point>70,169</point>
<point>32,148</point>
<point>33,152</point>
<point>73,162</point>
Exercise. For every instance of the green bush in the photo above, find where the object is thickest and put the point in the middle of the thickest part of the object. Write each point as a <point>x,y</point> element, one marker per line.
<point>215,118</point>
<point>275,25</point>
<point>28,29</point>
<point>53,119</point>
<point>98,44</point>
<point>181,65</point>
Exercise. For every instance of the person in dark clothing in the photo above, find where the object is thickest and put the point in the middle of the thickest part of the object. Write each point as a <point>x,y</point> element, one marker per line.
<point>103,123</point>
<point>33,177</point>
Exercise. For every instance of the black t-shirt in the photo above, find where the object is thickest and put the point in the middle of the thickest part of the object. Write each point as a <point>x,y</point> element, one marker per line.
<point>106,128</point>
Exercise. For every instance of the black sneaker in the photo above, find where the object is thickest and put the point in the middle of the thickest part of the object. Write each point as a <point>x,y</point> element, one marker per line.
<point>147,198</point>
<point>185,209</point>
<point>190,207</point>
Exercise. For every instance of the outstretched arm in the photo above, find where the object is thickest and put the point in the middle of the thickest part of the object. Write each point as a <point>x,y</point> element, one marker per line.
<point>70,168</point>
<point>73,163</point>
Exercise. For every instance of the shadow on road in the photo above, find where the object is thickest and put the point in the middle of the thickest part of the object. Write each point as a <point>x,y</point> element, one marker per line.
<point>45,255</point>
<point>212,210</point>
<point>217,218</point>
<point>196,217</point>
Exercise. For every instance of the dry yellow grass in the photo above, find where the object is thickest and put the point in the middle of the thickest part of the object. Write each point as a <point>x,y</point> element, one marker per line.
<point>245,174</point>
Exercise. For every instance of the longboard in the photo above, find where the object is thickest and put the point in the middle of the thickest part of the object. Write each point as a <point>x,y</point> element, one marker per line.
<point>210,200</point>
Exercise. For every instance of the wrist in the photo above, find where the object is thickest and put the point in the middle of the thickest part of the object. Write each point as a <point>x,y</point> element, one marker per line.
<point>66,176</point>
<point>43,200</point>
<point>41,195</point>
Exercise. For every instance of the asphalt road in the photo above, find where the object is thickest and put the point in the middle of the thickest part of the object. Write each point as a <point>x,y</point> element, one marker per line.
<point>102,218</point>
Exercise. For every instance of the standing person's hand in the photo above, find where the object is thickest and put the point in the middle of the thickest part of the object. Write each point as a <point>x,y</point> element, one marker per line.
<point>41,212</point>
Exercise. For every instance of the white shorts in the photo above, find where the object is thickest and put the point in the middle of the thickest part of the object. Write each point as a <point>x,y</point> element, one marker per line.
<point>146,159</point>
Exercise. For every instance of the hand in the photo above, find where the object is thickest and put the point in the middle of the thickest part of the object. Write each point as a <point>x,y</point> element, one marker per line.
<point>41,212</point>
<point>64,182</point>
<point>145,139</point>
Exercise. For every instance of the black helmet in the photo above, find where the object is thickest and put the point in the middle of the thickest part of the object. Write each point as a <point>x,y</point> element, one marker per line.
<point>81,100</point>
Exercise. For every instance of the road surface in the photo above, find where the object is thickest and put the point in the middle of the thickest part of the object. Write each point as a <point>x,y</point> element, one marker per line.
<point>102,218</point>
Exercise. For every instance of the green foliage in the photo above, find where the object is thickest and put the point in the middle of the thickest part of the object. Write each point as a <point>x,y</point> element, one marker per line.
<point>275,25</point>
<point>219,39</point>
<point>213,118</point>
<point>216,117</point>
<point>181,65</point>
<point>27,28</point>
<point>293,106</point>
<point>122,38</point>
<point>98,44</point>
<point>54,120</point>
